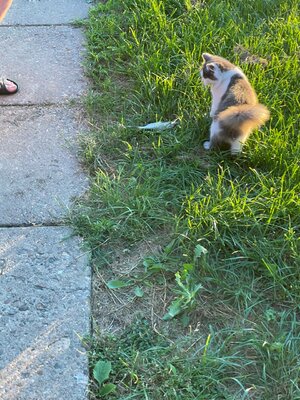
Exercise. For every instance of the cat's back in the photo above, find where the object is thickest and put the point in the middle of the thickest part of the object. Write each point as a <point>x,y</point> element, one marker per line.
<point>239,91</point>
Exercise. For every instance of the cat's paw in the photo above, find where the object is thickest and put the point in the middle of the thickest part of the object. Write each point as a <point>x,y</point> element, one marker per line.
<point>206,145</point>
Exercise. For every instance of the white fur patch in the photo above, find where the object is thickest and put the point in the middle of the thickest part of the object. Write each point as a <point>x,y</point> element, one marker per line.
<point>206,145</point>
<point>236,147</point>
<point>220,86</point>
<point>214,129</point>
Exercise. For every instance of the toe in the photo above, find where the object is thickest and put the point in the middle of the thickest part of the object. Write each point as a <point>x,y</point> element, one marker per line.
<point>10,86</point>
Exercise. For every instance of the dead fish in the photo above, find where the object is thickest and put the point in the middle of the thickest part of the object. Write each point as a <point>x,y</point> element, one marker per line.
<point>158,126</point>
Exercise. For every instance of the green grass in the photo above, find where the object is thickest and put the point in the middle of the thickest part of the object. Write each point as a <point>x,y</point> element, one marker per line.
<point>236,333</point>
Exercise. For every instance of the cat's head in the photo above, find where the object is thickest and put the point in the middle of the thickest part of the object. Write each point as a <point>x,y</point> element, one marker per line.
<point>213,68</point>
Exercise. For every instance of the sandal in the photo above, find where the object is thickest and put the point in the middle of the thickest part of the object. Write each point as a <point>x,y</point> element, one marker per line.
<point>3,88</point>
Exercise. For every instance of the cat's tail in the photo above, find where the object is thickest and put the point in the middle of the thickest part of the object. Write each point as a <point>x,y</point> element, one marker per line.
<point>244,117</point>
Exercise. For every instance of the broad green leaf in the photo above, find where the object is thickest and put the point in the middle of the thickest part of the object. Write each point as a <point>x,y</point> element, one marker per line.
<point>154,265</point>
<point>108,388</point>
<point>277,346</point>
<point>117,284</point>
<point>188,267</point>
<point>197,287</point>
<point>178,279</point>
<point>101,371</point>
<point>169,247</point>
<point>174,309</point>
<point>148,262</point>
<point>138,292</point>
<point>173,369</point>
<point>199,250</point>
<point>157,267</point>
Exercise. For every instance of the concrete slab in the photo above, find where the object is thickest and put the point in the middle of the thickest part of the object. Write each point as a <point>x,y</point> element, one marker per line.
<point>44,309</point>
<point>46,63</point>
<point>39,170</point>
<point>35,12</point>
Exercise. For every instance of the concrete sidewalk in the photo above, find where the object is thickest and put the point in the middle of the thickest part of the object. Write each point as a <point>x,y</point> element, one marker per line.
<point>44,273</point>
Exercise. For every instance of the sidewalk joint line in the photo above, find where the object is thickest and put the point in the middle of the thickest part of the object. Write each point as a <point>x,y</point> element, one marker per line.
<point>34,225</point>
<point>70,24</point>
<point>67,103</point>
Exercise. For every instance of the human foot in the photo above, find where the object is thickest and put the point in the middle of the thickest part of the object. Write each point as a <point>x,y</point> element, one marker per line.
<point>8,86</point>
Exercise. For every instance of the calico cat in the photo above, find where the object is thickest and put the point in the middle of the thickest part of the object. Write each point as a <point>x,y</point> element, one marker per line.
<point>235,109</point>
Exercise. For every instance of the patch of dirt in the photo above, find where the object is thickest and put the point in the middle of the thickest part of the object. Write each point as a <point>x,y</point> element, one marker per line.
<point>113,309</point>
<point>247,58</point>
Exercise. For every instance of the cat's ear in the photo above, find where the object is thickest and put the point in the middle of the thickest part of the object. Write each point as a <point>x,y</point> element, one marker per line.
<point>206,57</point>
